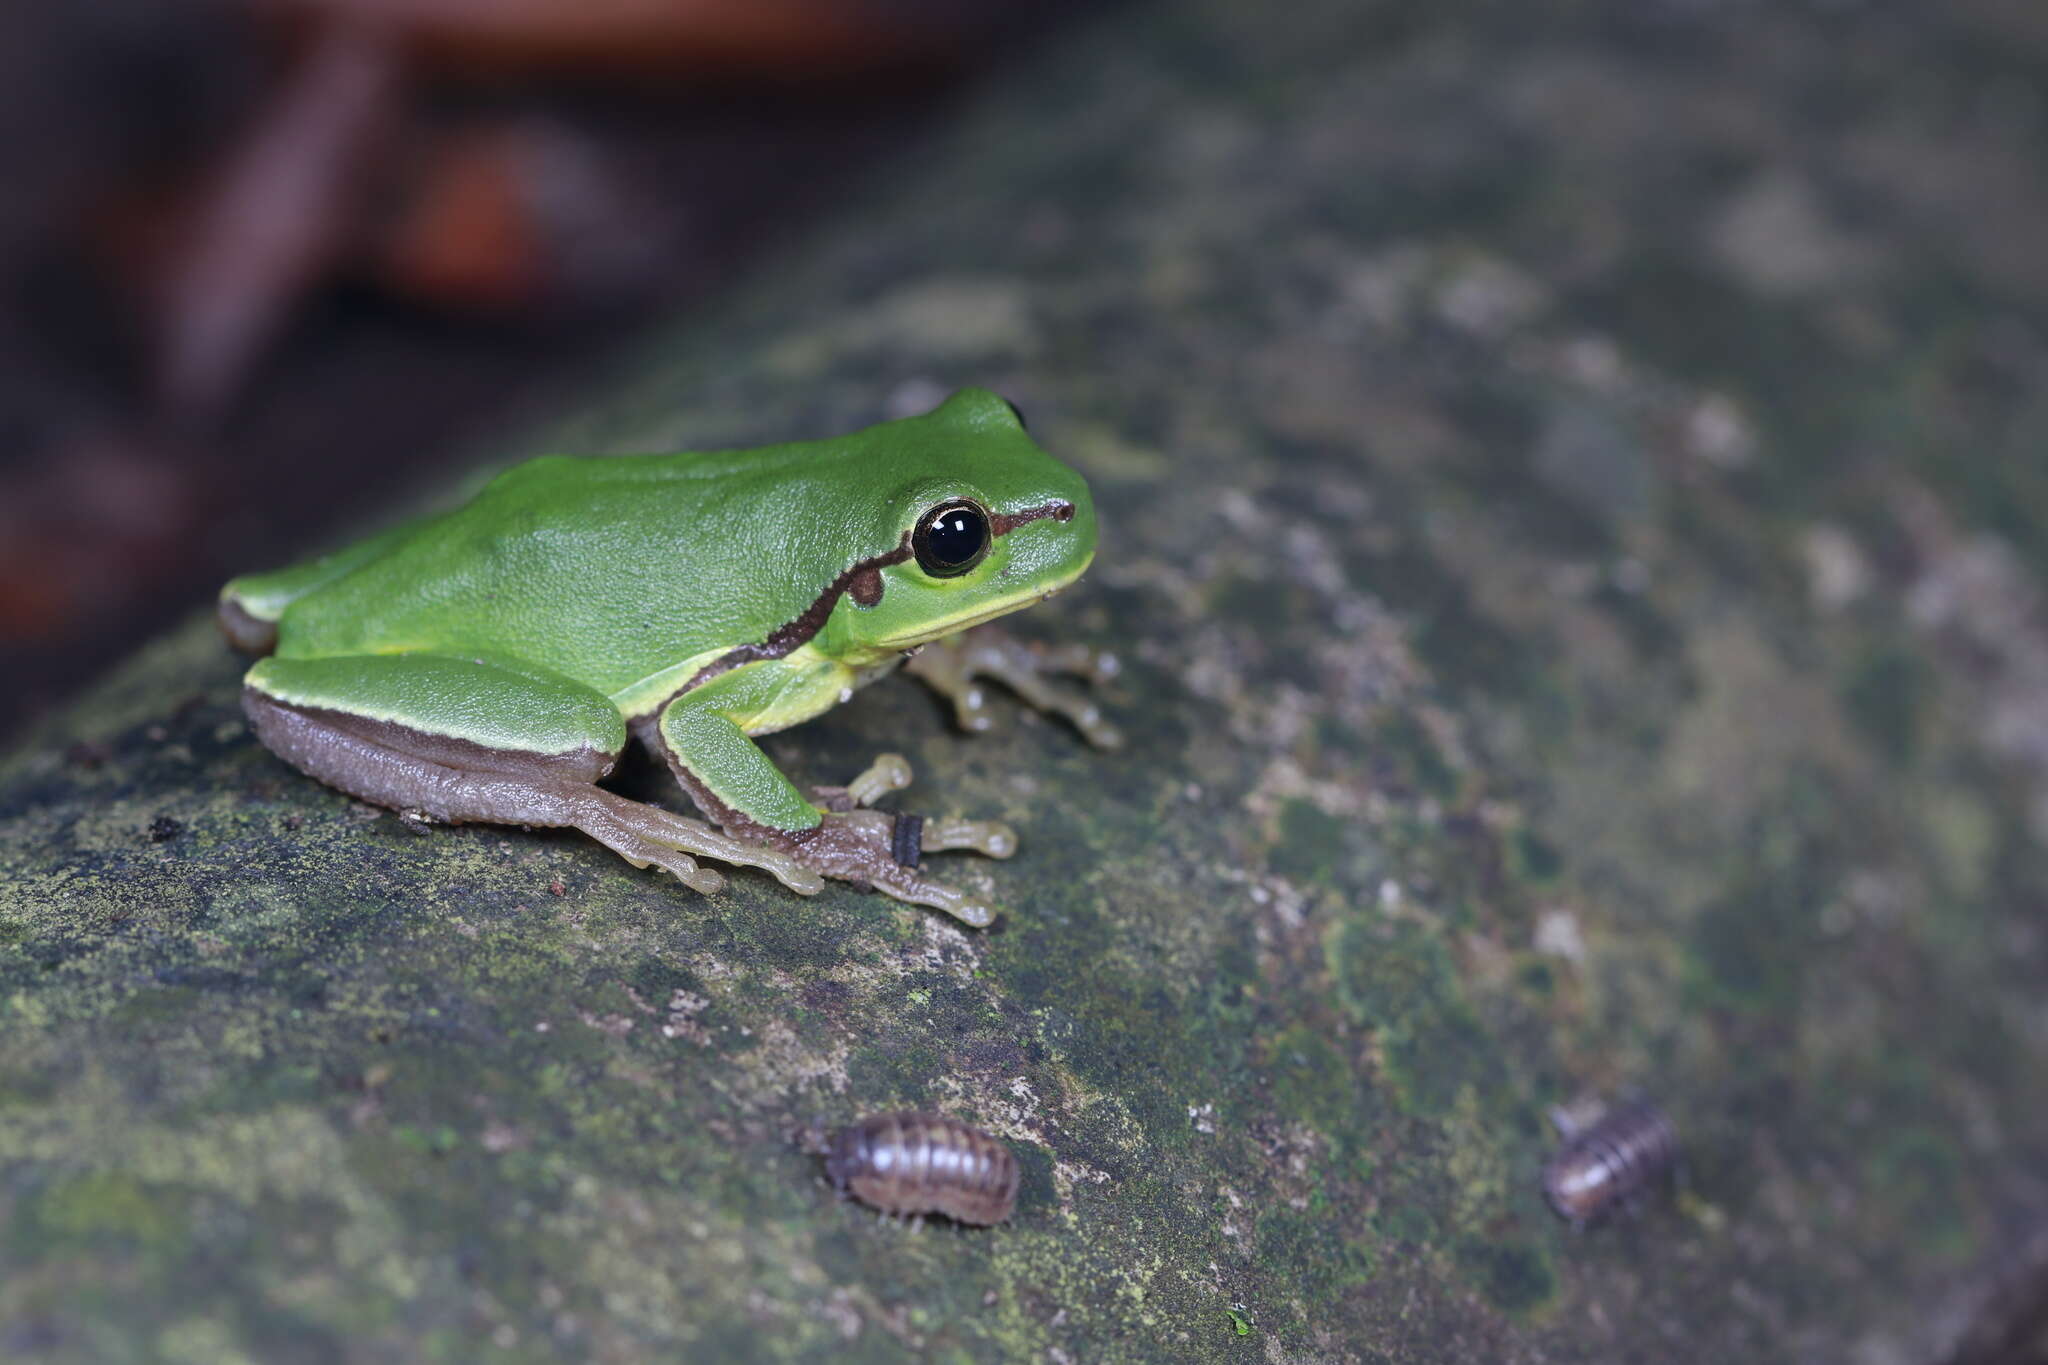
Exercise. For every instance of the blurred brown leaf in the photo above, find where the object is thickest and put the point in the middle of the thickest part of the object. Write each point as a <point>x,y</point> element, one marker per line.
<point>78,532</point>
<point>653,37</point>
<point>509,216</point>
<point>273,217</point>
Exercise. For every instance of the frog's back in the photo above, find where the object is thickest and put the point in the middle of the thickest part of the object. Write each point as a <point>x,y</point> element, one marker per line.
<point>604,569</point>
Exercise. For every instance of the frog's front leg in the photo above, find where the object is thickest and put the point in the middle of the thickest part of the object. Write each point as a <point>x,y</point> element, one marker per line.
<point>515,746</point>
<point>951,666</point>
<point>704,735</point>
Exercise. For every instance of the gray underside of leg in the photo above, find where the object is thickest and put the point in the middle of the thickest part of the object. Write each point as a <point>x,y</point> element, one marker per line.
<point>379,769</point>
<point>418,774</point>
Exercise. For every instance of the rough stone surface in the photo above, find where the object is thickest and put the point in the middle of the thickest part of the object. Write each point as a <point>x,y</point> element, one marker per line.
<point>1576,522</point>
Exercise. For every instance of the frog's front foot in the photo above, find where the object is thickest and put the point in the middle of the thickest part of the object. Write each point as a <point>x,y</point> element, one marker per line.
<point>873,848</point>
<point>951,667</point>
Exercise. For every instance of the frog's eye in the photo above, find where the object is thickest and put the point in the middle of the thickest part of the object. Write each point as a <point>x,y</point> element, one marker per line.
<point>950,538</point>
<point>1017,413</point>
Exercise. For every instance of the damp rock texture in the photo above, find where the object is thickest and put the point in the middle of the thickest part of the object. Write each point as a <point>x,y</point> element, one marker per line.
<point>1577,531</point>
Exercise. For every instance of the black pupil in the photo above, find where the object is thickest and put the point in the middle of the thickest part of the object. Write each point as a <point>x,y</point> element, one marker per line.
<point>955,536</point>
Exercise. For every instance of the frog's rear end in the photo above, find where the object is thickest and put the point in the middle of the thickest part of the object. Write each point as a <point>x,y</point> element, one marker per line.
<point>251,606</point>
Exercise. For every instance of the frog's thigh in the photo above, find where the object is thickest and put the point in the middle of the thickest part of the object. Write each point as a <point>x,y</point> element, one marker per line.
<point>488,744</point>
<point>454,739</point>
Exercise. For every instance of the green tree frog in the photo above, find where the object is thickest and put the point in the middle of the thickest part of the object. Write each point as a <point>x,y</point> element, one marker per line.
<point>490,664</point>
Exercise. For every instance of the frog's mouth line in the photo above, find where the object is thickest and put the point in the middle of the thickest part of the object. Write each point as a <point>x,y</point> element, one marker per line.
<point>953,625</point>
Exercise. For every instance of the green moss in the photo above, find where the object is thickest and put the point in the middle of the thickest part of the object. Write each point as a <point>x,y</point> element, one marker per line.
<point>1684,315</point>
<point>1313,1082</point>
<point>438,1140</point>
<point>1513,1273</point>
<point>1299,1243</point>
<point>1136,1041</point>
<point>1915,1175</point>
<point>1466,651</point>
<point>1397,979</point>
<point>2002,490</point>
<point>1035,1194</point>
<point>1654,635</point>
<point>1564,473</point>
<point>1532,858</point>
<point>1963,832</point>
<point>1402,744</point>
<point>1887,694</point>
<point>1746,945</point>
<point>1260,600</point>
<point>1408,1213</point>
<point>110,1207</point>
<point>1312,843</point>
<point>901,1066</point>
<point>1487,179</point>
<point>1430,1056</point>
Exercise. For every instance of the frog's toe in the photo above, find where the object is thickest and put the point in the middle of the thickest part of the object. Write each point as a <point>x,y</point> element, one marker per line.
<point>903,884</point>
<point>1098,666</point>
<point>1087,717</point>
<point>691,873</point>
<point>977,914</point>
<point>645,853</point>
<point>888,773</point>
<point>990,838</point>
<point>639,839</point>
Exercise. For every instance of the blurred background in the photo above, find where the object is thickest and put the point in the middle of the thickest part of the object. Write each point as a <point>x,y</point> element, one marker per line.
<point>263,262</point>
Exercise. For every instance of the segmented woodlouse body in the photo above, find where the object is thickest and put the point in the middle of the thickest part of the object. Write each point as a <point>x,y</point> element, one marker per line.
<point>1604,1165</point>
<point>911,1163</point>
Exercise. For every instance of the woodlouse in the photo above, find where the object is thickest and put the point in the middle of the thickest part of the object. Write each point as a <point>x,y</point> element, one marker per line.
<point>912,1163</point>
<point>1609,1162</point>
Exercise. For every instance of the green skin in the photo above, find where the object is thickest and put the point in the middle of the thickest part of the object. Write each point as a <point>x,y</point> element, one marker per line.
<point>490,664</point>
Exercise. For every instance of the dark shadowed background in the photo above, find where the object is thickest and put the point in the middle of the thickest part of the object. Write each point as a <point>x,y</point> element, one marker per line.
<point>267,266</point>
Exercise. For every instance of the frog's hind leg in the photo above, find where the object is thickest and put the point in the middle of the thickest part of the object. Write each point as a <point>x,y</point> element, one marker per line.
<point>460,780</point>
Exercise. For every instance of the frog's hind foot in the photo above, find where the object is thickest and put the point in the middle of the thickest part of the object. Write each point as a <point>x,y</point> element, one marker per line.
<point>432,777</point>
<point>951,667</point>
<point>644,834</point>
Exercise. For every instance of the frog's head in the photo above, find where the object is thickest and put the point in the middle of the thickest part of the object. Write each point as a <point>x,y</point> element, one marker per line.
<point>984,522</point>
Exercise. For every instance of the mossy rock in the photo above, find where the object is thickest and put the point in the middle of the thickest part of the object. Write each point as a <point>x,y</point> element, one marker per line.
<point>1565,658</point>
